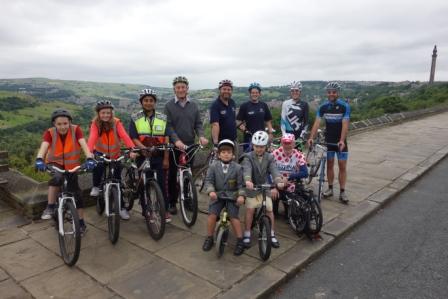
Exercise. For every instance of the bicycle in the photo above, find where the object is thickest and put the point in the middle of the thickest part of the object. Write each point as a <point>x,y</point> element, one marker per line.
<point>154,201</point>
<point>304,212</point>
<point>188,196</point>
<point>129,184</point>
<point>109,199</point>
<point>222,231</point>
<point>200,176</point>
<point>262,223</point>
<point>314,156</point>
<point>66,218</point>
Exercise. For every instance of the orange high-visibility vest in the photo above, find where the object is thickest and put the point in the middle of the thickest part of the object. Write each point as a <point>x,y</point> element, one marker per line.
<point>109,143</point>
<point>65,154</point>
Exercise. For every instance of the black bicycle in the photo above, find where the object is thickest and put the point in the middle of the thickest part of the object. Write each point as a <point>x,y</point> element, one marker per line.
<point>129,186</point>
<point>304,212</point>
<point>109,199</point>
<point>200,176</point>
<point>66,218</point>
<point>262,223</point>
<point>154,201</point>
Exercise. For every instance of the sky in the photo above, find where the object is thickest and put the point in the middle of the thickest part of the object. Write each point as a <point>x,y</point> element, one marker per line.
<point>270,42</point>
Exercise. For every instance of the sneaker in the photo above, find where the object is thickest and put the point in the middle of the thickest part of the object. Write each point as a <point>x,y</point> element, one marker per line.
<point>239,249</point>
<point>246,241</point>
<point>275,243</point>
<point>124,214</point>
<point>95,191</point>
<point>168,217</point>
<point>343,198</point>
<point>173,210</point>
<point>208,243</point>
<point>47,214</point>
<point>83,230</point>
<point>328,193</point>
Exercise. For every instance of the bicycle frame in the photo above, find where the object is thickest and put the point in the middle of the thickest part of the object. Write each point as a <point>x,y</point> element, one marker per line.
<point>110,181</point>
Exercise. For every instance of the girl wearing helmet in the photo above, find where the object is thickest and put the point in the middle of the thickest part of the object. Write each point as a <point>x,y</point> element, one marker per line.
<point>254,115</point>
<point>257,166</point>
<point>105,137</point>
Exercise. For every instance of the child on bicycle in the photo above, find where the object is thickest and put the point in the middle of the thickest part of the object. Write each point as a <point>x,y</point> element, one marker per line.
<point>291,164</point>
<point>61,146</point>
<point>224,176</point>
<point>257,166</point>
<point>105,137</point>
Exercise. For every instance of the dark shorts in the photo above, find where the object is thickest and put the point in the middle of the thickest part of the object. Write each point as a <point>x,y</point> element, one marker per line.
<point>332,151</point>
<point>216,206</point>
<point>57,179</point>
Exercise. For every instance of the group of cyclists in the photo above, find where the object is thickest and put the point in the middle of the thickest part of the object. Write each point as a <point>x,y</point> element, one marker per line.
<point>180,124</point>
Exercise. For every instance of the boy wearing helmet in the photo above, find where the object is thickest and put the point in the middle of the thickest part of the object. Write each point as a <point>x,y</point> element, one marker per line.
<point>224,178</point>
<point>291,164</point>
<point>294,117</point>
<point>257,166</point>
<point>61,146</point>
<point>336,113</point>
<point>254,115</point>
<point>149,128</point>
<point>105,136</point>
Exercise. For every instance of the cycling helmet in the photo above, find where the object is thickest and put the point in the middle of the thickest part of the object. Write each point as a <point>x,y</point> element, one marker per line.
<point>147,92</point>
<point>288,138</point>
<point>103,104</point>
<point>180,79</point>
<point>60,112</point>
<point>295,85</point>
<point>226,142</point>
<point>260,138</point>
<point>225,82</point>
<point>333,86</point>
<point>254,85</point>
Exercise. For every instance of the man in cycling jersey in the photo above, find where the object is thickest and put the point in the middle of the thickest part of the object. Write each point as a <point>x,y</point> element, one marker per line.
<point>294,118</point>
<point>336,113</point>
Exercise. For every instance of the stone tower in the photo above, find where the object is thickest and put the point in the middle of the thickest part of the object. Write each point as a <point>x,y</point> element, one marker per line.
<point>433,65</point>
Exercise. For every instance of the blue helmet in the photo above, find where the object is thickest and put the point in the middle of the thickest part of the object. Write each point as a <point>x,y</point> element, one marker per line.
<point>254,85</point>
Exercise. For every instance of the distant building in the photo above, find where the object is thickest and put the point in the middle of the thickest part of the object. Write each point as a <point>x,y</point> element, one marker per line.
<point>433,65</point>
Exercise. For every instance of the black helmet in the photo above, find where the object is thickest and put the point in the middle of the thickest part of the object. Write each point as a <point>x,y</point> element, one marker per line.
<point>180,79</point>
<point>60,112</point>
<point>333,86</point>
<point>103,104</point>
<point>225,82</point>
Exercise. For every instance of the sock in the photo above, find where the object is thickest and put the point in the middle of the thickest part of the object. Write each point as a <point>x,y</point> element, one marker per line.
<point>51,205</point>
<point>342,190</point>
<point>272,233</point>
<point>81,222</point>
<point>330,187</point>
<point>247,233</point>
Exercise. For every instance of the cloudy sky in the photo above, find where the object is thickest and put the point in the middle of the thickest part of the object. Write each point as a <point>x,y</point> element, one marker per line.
<point>272,42</point>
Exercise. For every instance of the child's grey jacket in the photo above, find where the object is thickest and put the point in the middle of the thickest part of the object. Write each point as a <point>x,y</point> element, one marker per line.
<point>230,182</point>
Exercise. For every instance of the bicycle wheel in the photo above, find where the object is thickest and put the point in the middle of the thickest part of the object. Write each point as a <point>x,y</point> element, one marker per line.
<point>297,216</point>
<point>221,240</point>
<point>315,220</point>
<point>199,178</point>
<point>189,204</point>
<point>264,237</point>
<point>155,210</point>
<point>70,242</point>
<point>129,189</point>
<point>314,160</point>
<point>113,221</point>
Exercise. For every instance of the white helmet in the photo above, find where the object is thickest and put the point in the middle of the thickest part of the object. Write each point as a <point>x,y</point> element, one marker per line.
<point>260,138</point>
<point>227,142</point>
<point>295,85</point>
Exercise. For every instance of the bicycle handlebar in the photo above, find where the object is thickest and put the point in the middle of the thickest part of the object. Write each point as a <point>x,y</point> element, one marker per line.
<point>53,168</point>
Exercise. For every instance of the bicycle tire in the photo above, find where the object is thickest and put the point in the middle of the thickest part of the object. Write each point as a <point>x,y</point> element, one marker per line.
<point>315,219</point>
<point>129,189</point>
<point>189,205</point>
<point>113,220</point>
<point>221,240</point>
<point>315,166</point>
<point>297,216</point>
<point>264,237</point>
<point>199,178</point>
<point>70,257</point>
<point>155,210</point>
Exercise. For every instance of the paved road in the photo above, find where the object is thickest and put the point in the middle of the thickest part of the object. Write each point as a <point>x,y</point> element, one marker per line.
<point>399,253</point>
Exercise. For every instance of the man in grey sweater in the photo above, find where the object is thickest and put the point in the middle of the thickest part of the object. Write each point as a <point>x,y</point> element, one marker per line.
<point>184,122</point>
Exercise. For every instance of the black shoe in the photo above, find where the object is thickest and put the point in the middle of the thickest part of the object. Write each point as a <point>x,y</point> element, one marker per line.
<point>274,242</point>
<point>239,249</point>
<point>173,209</point>
<point>208,244</point>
